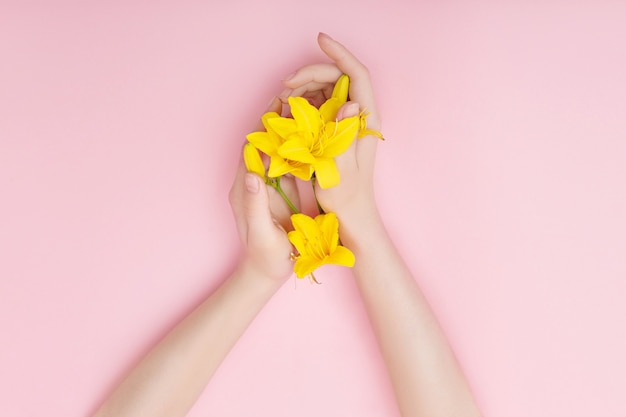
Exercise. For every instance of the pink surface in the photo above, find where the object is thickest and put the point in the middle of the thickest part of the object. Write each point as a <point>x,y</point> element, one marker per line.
<point>502,181</point>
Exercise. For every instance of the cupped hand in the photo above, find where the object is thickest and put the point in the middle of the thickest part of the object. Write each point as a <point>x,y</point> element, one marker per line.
<point>353,199</point>
<point>262,218</point>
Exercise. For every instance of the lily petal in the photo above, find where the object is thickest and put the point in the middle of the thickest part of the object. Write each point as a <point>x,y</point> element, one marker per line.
<point>282,126</point>
<point>302,171</point>
<point>305,266</point>
<point>328,110</point>
<point>275,137</point>
<point>253,160</point>
<point>341,256</point>
<point>267,116</point>
<point>297,239</point>
<point>340,136</point>
<point>305,114</point>
<point>264,142</point>
<point>278,166</point>
<point>326,172</point>
<point>305,225</point>
<point>329,228</point>
<point>296,150</point>
<point>342,86</point>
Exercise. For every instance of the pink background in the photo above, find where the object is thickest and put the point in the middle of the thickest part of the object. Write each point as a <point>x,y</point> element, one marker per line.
<point>502,182</point>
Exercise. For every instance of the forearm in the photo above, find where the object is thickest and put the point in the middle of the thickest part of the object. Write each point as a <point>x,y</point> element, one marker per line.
<point>426,377</point>
<point>170,378</point>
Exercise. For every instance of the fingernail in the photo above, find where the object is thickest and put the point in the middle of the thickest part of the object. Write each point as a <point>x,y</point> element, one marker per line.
<point>252,183</point>
<point>325,35</point>
<point>352,110</point>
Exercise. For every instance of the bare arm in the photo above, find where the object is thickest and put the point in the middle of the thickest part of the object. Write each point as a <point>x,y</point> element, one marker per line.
<point>168,381</point>
<point>426,377</point>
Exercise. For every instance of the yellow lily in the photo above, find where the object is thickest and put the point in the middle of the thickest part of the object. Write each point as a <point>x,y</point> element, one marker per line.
<point>269,142</point>
<point>253,161</point>
<point>317,243</point>
<point>309,142</point>
<point>314,137</point>
<point>312,140</point>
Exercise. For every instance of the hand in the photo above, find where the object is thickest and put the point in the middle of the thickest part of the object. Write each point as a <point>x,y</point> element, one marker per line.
<point>353,199</point>
<point>262,217</point>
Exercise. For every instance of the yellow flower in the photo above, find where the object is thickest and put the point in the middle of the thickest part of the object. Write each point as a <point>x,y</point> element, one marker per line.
<point>268,142</point>
<point>317,243</point>
<point>312,140</point>
<point>309,142</point>
<point>253,160</point>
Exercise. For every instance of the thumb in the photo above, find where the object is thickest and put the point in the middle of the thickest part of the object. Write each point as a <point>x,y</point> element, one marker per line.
<point>348,109</point>
<point>256,206</point>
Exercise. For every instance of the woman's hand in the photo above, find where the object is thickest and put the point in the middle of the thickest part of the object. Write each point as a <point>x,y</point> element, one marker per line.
<point>353,199</point>
<point>262,219</point>
<point>415,349</point>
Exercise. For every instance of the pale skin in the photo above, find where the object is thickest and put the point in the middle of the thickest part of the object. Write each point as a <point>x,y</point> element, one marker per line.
<point>426,377</point>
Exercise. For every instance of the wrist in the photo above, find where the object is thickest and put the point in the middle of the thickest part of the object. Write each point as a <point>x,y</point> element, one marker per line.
<point>361,230</point>
<point>260,273</point>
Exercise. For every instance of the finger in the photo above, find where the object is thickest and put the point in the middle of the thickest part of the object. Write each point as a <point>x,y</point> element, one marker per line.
<point>313,93</point>
<point>325,91</point>
<point>347,161</point>
<point>365,148</point>
<point>235,197</point>
<point>360,84</point>
<point>279,209</point>
<point>318,73</point>
<point>316,98</point>
<point>256,208</point>
<point>313,89</point>
<point>366,153</point>
<point>348,109</point>
<point>313,86</point>
<point>239,174</point>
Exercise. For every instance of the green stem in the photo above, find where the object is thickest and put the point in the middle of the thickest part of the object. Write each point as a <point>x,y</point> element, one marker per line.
<point>319,207</point>
<point>277,187</point>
